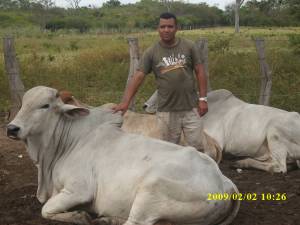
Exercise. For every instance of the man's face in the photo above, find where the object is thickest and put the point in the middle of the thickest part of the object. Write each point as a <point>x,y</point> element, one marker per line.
<point>167,29</point>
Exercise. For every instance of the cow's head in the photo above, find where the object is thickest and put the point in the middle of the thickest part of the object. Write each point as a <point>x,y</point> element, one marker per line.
<point>151,105</point>
<point>39,106</point>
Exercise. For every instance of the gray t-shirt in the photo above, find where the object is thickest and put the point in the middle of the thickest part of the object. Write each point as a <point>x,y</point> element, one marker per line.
<point>173,69</point>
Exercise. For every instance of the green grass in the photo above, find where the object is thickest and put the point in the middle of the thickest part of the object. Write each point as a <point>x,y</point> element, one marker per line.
<point>95,67</point>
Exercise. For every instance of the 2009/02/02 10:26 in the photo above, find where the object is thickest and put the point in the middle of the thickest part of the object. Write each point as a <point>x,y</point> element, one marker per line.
<point>247,196</point>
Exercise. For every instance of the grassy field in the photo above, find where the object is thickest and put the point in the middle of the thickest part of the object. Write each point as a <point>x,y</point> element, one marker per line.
<point>95,66</point>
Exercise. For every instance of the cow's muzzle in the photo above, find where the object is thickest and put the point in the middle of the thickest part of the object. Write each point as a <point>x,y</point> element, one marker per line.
<point>12,131</point>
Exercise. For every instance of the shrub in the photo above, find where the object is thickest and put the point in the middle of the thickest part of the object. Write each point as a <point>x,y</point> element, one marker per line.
<point>294,42</point>
<point>55,25</point>
<point>79,24</point>
<point>69,23</point>
<point>74,45</point>
<point>221,44</point>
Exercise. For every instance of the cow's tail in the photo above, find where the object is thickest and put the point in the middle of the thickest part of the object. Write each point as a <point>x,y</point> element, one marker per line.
<point>213,148</point>
<point>233,211</point>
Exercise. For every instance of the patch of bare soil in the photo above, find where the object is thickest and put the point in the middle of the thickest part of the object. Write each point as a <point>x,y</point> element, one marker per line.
<point>19,206</point>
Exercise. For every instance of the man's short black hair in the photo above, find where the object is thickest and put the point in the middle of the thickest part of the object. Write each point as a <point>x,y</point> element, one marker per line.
<point>168,15</point>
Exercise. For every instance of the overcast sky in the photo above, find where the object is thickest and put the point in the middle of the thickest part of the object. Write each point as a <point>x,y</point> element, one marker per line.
<point>219,3</point>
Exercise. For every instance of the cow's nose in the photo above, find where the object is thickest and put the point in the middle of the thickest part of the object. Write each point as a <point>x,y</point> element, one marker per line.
<point>145,106</point>
<point>12,131</point>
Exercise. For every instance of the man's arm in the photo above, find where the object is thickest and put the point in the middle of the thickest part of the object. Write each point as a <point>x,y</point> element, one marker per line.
<point>130,91</point>
<point>202,86</point>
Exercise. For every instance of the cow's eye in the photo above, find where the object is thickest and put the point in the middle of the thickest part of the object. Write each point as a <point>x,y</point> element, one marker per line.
<point>46,106</point>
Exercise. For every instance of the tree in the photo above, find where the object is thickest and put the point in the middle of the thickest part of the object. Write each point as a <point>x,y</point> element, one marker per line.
<point>112,3</point>
<point>42,12</point>
<point>8,4</point>
<point>47,4</point>
<point>24,4</point>
<point>74,3</point>
<point>294,7</point>
<point>238,4</point>
<point>167,3</point>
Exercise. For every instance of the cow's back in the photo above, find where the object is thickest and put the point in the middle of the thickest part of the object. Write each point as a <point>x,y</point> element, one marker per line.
<point>144,124</point>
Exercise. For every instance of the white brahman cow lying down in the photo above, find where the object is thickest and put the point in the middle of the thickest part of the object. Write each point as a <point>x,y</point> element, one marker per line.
<point>88,165</point>
<point>268,138</point>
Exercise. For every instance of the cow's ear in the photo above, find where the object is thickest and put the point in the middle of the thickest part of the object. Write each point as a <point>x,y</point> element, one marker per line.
<point>74,111</point>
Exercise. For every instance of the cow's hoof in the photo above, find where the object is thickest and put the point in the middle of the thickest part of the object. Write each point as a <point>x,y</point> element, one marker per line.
<point>84,218</point>
<point>278,169</point>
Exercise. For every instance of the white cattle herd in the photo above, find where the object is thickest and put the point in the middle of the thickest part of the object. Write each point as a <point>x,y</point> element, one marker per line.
<point>90,170</point>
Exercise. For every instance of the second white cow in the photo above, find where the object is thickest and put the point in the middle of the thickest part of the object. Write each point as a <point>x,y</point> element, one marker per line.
<point>268,138</point>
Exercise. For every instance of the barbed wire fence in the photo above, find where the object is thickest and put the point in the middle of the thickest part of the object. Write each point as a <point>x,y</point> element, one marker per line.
<point>248,91</point>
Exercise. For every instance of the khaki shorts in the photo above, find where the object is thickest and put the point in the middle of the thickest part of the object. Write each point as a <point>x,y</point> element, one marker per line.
<point>172,124</point>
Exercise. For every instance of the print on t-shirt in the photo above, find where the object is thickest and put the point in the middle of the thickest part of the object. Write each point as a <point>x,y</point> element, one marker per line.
<point>172,62</point>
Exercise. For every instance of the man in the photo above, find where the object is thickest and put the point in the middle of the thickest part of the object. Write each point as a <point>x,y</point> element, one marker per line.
<point>173,60</point>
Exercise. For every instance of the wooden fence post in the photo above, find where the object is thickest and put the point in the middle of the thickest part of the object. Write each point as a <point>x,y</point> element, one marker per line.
<point>12,69</point>
<point>202,44</point>
<point>134,61</point>
<point>266,73</point>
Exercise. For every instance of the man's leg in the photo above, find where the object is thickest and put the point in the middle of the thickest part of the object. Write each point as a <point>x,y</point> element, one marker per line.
<point>170,126</point>
<point>193,129</point>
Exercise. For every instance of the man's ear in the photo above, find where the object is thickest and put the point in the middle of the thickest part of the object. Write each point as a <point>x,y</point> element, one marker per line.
<point>72,111</point>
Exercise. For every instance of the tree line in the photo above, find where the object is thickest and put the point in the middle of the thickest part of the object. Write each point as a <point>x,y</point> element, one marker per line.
<point>143,14</point>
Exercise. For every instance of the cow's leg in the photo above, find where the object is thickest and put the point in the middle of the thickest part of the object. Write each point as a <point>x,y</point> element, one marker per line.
<point>278,149</point>
<point>153,206</point>
<point>56,207</point>
<point>253,163</point>
<point>109,221</point>
<point>148,206</point>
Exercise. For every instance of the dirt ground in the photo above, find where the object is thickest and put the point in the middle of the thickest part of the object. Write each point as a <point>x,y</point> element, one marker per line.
<point>19,206</point>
